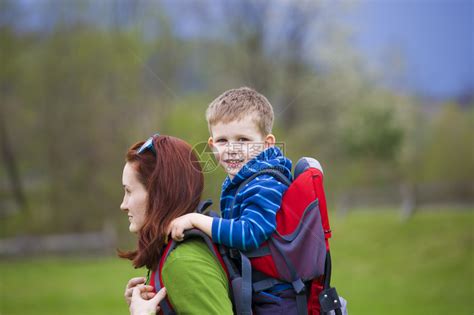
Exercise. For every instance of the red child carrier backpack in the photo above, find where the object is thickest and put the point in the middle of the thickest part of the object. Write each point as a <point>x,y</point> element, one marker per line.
<point>297,253</point>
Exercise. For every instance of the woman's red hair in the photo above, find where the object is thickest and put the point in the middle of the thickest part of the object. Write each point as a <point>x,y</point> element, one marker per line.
<point>174,182</point>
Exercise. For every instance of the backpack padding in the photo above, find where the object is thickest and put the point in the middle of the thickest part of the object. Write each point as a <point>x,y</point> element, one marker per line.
<point>306,162</point>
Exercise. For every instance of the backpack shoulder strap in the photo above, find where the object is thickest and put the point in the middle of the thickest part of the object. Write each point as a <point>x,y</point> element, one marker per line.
<point>203,205</point>
<point>240,285</point>
<point>230,271</point>
<point>319,188</point>
<point>165,304</point>
<point>274,171</point>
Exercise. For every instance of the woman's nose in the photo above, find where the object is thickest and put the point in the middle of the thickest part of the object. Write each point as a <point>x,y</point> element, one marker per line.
<point>123,206</point>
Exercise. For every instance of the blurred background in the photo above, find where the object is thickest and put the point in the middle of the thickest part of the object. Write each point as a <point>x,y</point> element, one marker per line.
<point>380,92</point>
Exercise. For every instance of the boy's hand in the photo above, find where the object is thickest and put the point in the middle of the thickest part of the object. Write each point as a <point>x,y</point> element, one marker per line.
<point>179,225</point>
<point>147,291</point>
<point>187,222</point>
<point>140,306</point>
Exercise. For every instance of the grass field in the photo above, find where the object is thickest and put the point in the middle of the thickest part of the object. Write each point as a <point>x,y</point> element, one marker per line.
<point>380,265</point>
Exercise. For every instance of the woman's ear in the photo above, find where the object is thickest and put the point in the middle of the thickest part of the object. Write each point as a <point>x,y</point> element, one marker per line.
<point>270,140</point>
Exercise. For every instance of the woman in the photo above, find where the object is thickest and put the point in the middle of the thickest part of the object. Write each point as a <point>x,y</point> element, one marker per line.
<point>162,180</point>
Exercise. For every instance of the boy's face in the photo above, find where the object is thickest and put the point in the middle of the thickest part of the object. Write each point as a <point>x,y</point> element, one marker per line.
<point>236,142</point>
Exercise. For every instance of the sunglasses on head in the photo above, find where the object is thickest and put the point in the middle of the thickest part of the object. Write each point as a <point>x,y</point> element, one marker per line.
<point>148,145</point>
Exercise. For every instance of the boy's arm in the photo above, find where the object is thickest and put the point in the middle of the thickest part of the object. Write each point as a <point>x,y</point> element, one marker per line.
<point>189,221</point>
<point>261,201</point>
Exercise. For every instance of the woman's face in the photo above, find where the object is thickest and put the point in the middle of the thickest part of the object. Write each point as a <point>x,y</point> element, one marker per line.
<point>135,198</point>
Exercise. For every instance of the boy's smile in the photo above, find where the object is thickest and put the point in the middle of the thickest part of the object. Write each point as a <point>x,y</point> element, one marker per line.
<point>237,142</point>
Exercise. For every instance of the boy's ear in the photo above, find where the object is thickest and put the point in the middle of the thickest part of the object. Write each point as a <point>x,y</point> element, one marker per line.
<point>210,142</point>
<point>270,140</point>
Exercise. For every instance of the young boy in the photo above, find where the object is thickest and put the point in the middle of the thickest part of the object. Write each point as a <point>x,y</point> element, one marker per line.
<point>240,123</point>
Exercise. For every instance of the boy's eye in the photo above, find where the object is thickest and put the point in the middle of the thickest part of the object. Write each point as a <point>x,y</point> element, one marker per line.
<point>243,139</point>
<point>221,140</point>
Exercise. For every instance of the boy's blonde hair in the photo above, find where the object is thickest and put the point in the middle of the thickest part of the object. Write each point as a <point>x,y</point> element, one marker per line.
<point>235,104</point>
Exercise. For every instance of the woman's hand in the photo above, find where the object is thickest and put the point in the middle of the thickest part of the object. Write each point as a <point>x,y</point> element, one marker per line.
<point>139,306</point>
<point>147,293</point>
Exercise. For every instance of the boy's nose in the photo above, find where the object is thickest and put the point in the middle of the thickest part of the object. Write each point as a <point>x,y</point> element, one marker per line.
<point>234,154</point>
<point>234,147</point>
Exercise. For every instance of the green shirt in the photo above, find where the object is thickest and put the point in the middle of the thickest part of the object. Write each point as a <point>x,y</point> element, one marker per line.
<point>195,281</point>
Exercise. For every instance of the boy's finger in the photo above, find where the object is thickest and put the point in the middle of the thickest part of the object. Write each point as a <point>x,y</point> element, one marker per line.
<point>173,224</point>
<point>128,294</point>
<point>150,295</point>
<point>136,293</point>
<point>179,234</point>
<point>143,291</point>
<point>147,288</point>
<point>135,281</point>
<point>147,291</point>
<point>147,295</point>
<point>169,228</point>
<point>175,234</point>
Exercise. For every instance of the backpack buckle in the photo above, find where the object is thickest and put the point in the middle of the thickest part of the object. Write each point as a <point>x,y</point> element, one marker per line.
<point>299,286</point>
<point>329,300</point>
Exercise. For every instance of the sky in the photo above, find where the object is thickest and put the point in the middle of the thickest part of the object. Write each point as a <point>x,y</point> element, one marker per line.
<point>431,40</point>
<point>435,39</point>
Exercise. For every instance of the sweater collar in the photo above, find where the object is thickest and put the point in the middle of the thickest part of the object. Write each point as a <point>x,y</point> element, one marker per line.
<point>272,157</point>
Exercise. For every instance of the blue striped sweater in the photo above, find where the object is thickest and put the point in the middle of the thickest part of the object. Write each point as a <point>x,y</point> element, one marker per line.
<point>253,217</point>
